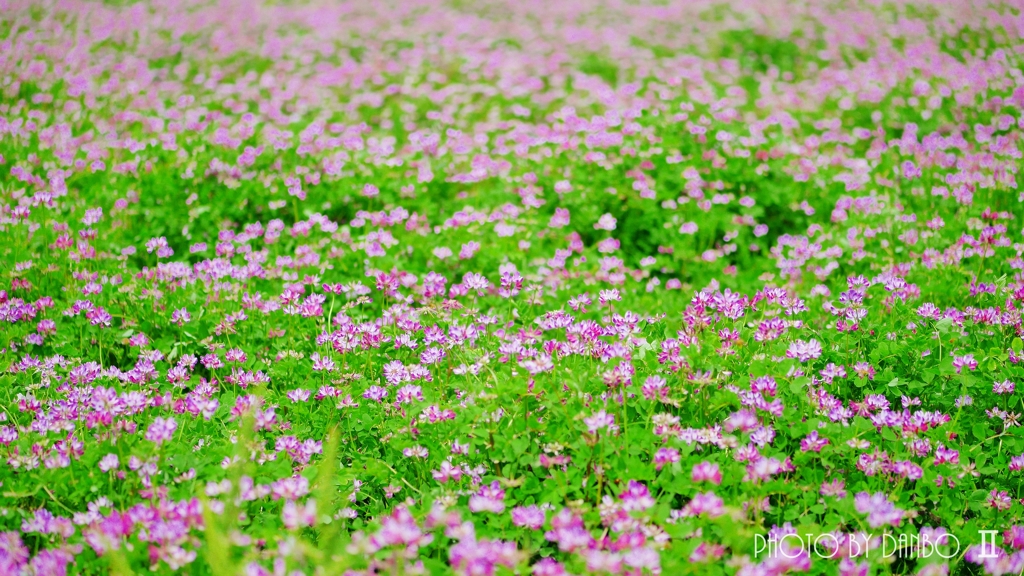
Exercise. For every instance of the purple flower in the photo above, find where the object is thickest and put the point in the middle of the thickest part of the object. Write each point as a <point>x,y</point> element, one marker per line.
<point>560,219</point>
<point>599,421</point>
<point>415,452</point>
<point>447,472</point>
<point>605,222</point>
<point>490,498</point>
<point>804,350</point>
<point>665,456</point>
<point>864,370</point>
<point>161,430</point>
<point>965,361</point>
<point>400,529</point>
<point>548,567</point>
<point>1017,463</point>
<point>569,532</point>
<point>471,557</point>
<point>999,499</point>
<point>836,488</point>
<point>636,496</point>
<point>295,516</point>
<point>706,472</point>
<point>375,393</point>
<point>704,504</point>
<point>108,462</point>
<point>531,517</point>
<point>812,442</point>
<point>880,511</point>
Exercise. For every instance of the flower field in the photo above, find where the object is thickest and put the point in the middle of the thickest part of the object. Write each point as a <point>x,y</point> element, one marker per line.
<point>511,287</point>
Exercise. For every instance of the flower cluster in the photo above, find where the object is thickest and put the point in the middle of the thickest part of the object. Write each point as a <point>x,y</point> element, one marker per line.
<point>539,288</point>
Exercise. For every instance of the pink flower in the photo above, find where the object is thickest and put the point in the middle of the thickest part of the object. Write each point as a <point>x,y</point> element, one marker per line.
<point>636,496</point>
<point>706,552</point>
<point>813,443</point>
<point>375,393</point>
<point>999,499</point>
<point>804,350</point>
<point>643,558</point>
<point>490,498</point>
<point>910,170</point>
<point>322,363</point>
<point>568,530</point>
<point>704,504</point>
<point>744,420</point>
<point>180,317</point>
<point>600,421</point>
<point>967,360</point>
<point>447,472</point>
<point>602,561</point>
<point>471,557</point>
<point>468,250</point>
<point>864,370</point>
<point>836,488</point>
<point>605,222</point>
<point>560,219</point>
<point>415,452</point>
<point>848,567</point>
<point>706,472</point>
<point>1004,387</point>
<point>109,462</point>
<point>688,228</point>
<point>606,296</point>
<point>161,430</point>
<point>296,516</point>
<point>548,567</point>
<point>400,529</point>
<point>531,517</point>
<point>608,245</point>
<point>1017,463</point>
<point>880,511</point>
<point>665,456</point>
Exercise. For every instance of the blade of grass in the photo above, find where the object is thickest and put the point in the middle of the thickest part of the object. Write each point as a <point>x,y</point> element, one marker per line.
<point>216,548</point>
<point>119,565</point>
<point>326,489</point>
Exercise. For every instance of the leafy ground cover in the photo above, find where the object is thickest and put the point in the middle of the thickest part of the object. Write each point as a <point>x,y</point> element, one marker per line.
<point>511,287</point>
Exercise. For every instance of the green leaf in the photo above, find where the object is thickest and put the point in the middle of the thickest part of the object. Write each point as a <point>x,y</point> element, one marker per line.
<point>519,445</point>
